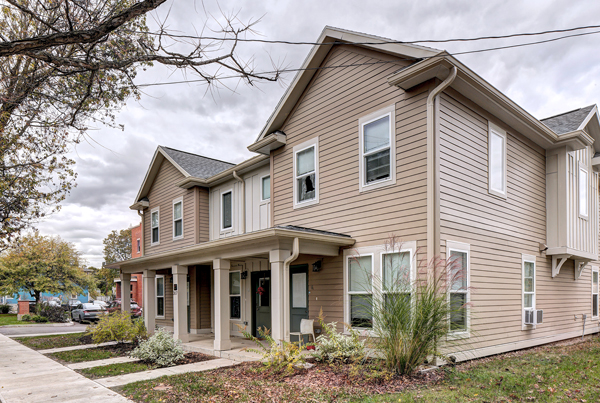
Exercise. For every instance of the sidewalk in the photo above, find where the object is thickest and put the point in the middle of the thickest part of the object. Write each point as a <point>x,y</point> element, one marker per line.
<point>28,376</point>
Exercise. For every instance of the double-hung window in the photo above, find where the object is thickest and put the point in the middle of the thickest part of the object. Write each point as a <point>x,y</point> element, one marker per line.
<point>377,152</point>
<point>139,245</point>
<point>594,291</point>
<point>235,295</point>
<point>497,160</point>
<point>528,262</point>
<point>178,218</point>
<point>583,192</point>
<point>226,210</point>
<point>160,296</point>
<point>306,173</point>
<point>265,188</point>
<point>458,281</point>
<point>360,290</point>
<point>396,276</point>
<point>154,226</point>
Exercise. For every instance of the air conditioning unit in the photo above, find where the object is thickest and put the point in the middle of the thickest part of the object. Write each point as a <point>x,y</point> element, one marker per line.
<point>534,316</point>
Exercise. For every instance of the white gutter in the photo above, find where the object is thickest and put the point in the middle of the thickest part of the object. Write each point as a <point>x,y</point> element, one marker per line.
<point>433,186</point>
<point>142,236</point>
<point>286,286</point>
<point>243,196</point>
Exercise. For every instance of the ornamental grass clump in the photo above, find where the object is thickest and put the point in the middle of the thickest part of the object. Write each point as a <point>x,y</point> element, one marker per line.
<point>161,349</point>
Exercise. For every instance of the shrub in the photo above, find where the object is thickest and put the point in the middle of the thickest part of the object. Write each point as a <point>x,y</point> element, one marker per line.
<point>39,319</point>
<point>332,346</point>
<point>5,308</point>
<point>160,349</point>
<point>284,356</point>
<point>119,327</point>
<point>26,318</point>
<point>54,313</point>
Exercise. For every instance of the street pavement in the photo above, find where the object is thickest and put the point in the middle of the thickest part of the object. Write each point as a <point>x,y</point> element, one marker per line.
<point>25,330</point>
<point>28,376</point>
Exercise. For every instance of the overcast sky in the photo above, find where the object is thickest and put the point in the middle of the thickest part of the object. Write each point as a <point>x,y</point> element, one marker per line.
<point>545,79</point>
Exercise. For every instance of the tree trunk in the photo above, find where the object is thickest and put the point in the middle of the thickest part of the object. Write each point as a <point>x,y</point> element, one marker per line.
<point>38,301</point>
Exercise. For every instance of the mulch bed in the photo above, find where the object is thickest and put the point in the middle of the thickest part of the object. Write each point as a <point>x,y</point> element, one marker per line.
<point>191,358</point>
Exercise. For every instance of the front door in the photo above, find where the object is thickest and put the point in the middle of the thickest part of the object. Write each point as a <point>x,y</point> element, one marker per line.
<point>298,297</point>
<point>261,300</point>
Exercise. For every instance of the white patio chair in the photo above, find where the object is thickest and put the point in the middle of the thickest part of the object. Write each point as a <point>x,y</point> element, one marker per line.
<point>306,328</point>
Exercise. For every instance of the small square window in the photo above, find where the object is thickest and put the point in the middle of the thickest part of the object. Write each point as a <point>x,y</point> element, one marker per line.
<point>266,188</point>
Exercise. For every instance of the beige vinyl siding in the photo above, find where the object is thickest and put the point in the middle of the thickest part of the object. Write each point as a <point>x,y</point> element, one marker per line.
<point>162,194</point>
<point>168,320</point>
<point>500,230</point>
<point>194,297</point>
<point>204,221</point>
<point>204,297</point>
<point>330,109</point>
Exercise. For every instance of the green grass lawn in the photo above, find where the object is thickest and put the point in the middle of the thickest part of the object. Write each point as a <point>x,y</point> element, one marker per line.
<point>89,354</point>
<point>11,319</point>
<point>115,369</point>
<point>55,341</point>
<point>556,373</point>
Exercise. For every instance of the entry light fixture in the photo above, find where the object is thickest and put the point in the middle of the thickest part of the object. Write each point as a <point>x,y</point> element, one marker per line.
<point>244,275</point>
<point>317,265</point>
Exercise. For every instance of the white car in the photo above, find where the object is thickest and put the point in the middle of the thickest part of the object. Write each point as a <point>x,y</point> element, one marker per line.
<point>103,304</point>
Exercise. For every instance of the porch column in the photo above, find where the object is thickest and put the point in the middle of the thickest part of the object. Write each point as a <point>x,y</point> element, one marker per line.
<point>125,292</point>
<point>180,318</point>
<point>279,295</point>
<point>149,292</point>
<point>221,298</point>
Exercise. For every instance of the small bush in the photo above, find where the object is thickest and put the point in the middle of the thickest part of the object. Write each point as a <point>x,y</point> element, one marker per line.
<point>160,349</point>
<point>39,319</point>
<point>119,327</point>
<point>5,308</point>
<point>284,356</point>
<point>332,346</point>
<point>54,313</point>
<point>26,318</point>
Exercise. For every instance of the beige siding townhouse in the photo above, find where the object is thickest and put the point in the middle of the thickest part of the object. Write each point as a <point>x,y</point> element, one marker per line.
<point>375,139</point>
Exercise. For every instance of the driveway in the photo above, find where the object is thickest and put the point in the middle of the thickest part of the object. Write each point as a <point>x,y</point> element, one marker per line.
<point>24,330</point>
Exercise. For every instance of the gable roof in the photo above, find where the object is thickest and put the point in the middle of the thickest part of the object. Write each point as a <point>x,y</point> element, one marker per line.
<point>309,68</point>
<point>568,121</point>
<point>196,165</point>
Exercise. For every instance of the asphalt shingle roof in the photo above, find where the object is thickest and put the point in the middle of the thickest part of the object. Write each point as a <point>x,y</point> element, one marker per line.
<point>197,165</point>
<point>568,121</point>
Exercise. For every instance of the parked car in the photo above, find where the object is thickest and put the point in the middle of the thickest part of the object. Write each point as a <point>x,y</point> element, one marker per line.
<point>115,305</point>
<point>87,312</point>
<point>103,304</point>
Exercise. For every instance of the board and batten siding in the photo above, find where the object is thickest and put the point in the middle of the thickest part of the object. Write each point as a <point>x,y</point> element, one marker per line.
<point>162,193</point>
<point>500,230</point>
<point>330,110</point>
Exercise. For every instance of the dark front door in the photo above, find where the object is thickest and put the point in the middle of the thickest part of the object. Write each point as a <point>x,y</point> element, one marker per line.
<point>298,297</point>
<point>261,300</point>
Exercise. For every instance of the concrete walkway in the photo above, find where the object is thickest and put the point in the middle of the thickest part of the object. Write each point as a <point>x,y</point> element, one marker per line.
<point>28,376</point>
<point>80,347</point>
<point>157,373</point>
<point>101,363</point>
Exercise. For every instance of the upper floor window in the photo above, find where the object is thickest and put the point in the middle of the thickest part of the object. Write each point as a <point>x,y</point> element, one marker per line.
<point>377,152</point>
<point>265,184</point>
<point>306,173</point>
<point>226,210</point>
<point>458,271</point>
<point>497,160</point>
<point>139,245</point>
<point>154,224</point>
<point>178,218</point>
<point>583,192</point>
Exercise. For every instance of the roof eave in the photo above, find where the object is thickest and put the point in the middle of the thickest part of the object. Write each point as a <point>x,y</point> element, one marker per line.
<point>271,142</point>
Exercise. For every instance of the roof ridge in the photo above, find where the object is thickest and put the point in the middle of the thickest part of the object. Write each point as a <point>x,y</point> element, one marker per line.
<point>566,113</point>
<point>198,155</point>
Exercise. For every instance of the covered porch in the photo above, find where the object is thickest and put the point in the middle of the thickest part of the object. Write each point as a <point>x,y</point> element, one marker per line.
<point>208,294</point>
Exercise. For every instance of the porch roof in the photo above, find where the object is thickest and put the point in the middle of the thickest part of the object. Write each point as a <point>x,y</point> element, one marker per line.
<point>252,244</point>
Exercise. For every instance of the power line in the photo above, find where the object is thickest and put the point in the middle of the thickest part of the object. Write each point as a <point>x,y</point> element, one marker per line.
<point>554,31</point>
<point>378,62</point>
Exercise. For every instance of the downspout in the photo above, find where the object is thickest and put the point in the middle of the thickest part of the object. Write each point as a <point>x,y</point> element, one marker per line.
<point>236,176</point>
<point>433,158</point>
<point>286,286</point>
<point>142,237</point>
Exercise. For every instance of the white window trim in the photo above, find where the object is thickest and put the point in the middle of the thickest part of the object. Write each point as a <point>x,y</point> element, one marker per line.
<point>154,210</point>
<point>228,229</point>
<point>178,200</point>
<point>595,270</point>
<point>502,133</point>
<point>138,245</point>
<point>454,246</point>
<point>376,252</point>
<point>582,167</point>
<point>387,111</point>
<point>530,259</point>
<point>236,295</point>
<point>156,297</point>
<point>314,142</point>
<point>261,188</point>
